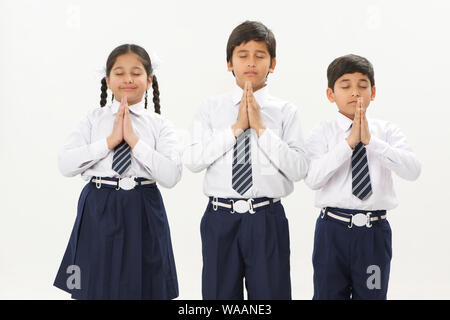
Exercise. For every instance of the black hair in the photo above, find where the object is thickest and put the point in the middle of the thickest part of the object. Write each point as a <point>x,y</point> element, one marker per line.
<point>350,63</point>
<point>248,31</point>
<point>146,62</point>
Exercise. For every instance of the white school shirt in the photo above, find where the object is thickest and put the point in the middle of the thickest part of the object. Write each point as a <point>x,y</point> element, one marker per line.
<point>330,171</point>
<point>278,156</point>
<point>155,156</point>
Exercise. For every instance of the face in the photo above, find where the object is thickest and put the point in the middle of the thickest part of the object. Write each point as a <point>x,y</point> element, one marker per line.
<point>251,62</point>
<point>128,78</point>
<point>347,89</point>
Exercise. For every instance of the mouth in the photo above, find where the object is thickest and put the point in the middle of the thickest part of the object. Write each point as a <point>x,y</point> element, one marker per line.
<point>353,102</point>
<point>128,88</point>
<point>250,73</point>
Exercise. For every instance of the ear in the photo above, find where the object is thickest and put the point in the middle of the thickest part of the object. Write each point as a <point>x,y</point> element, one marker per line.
<point>149,82</point>
<point>330,95</point>
<point>272,65</point>
<point>230,66</point>
<point>107,81</point>
<point>372,95</point>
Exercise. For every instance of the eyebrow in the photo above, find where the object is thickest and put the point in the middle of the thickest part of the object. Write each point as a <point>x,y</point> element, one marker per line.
<point>136,67</point>
<point>245,51</point>
<point>346,80</point>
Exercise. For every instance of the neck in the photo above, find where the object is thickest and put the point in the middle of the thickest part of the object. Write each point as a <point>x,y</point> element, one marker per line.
<point>254,88</point>
<point>130,102</point>
<point>350,116</point>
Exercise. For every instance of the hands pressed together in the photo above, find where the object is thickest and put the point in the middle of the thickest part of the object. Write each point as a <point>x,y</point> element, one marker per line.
<point>360,128</point>
<point>249,113</point>
<point>123,128</point>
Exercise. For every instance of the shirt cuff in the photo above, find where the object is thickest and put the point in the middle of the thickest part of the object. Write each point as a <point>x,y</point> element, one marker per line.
<point>268,141</point>
<point>142,151</point>
<point>99,149</point>
<point>229,138</point>
<point>343,151</point>
<point>377,146</point>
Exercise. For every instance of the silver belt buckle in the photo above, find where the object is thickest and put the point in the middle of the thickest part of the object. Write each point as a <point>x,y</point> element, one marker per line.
<point>241,206</point>
<point>360,219</point>
<point>127,183</point>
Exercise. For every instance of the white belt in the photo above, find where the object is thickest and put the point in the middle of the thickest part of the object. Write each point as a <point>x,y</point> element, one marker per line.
<point>241,206</point>
<point>124,183</point>
<point>359,219</point>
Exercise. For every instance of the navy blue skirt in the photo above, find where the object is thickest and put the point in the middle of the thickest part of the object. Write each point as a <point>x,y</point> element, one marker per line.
<point>120,246</point>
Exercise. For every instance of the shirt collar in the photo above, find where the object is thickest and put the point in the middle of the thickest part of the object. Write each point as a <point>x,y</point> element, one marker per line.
<point>344,122</point>
<point>137,108</point>
<point>260,95</point>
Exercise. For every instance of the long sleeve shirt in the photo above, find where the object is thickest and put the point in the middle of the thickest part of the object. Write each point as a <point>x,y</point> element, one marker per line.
<point>155,156</point>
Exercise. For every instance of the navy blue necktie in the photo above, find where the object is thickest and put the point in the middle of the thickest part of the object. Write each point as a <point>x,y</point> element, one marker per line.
<point>361,186</point>
<point>121,158</point>
<point>242,164</point>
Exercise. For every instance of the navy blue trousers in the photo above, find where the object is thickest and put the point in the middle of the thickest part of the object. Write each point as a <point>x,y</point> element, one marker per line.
<point>251,246</point>
<point>121,244</point>
<point>351,263</point>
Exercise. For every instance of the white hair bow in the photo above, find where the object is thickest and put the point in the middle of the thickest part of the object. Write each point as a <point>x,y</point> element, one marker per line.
<point>156,62</point>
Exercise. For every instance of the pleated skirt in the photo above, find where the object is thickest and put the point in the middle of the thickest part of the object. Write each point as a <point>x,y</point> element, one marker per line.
<point>120,247</point>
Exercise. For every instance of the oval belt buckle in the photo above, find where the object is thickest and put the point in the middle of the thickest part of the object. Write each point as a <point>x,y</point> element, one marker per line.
<point>240,206</point>
<point>359,219</point>
<point>127,183</point>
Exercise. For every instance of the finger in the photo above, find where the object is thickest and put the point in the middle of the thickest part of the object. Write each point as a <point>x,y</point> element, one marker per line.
<point>244,92</point>
<point>250,99</point>
<point>357,118</point>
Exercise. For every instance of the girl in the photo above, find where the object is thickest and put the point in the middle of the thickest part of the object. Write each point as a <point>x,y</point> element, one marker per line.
<point>120,246</point>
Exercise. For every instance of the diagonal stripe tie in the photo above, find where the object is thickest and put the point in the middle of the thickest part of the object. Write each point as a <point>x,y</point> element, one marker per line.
<point>242,164</point>
<point>121,158</point>
<point>361,186</point>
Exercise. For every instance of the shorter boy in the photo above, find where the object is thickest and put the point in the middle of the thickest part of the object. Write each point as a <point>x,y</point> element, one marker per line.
<point>352,158</point>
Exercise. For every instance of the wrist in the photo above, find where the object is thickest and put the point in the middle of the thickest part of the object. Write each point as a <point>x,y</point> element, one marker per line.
<point>366,141</point>
<point>351,142</point>
<point>237,129</point>
<point>132,141</point>
<point>260,129</point>
<point>112,143</point>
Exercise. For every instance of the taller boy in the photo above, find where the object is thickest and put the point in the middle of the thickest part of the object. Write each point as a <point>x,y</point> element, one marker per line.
<point>251,145</point>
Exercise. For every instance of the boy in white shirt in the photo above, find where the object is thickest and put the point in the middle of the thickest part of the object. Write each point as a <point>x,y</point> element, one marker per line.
<point>352,158</point>
<point>250,144</point>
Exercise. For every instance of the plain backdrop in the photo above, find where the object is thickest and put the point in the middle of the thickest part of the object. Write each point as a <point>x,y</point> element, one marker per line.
<point>52,58</point>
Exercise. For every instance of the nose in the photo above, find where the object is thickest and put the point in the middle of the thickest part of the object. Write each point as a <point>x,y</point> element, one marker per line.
<point>355,93</point>
<point>251,62</point>
<point>128,79</point>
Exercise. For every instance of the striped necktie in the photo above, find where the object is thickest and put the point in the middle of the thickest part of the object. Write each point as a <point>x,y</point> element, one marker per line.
<point>242,164</point>
<point>121,158</point>
<point>361,186</point>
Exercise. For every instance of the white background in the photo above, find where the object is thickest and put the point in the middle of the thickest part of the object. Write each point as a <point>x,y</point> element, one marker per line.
<point>52,58</point>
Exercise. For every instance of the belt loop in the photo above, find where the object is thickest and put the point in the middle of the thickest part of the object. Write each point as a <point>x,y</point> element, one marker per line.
<point>324,213</point>
<point>209,207</point>
<point>214,203</point>
<point>369,223</point>
<point>271,209</point>
<point>232,206</point>
<point>98,182</point>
